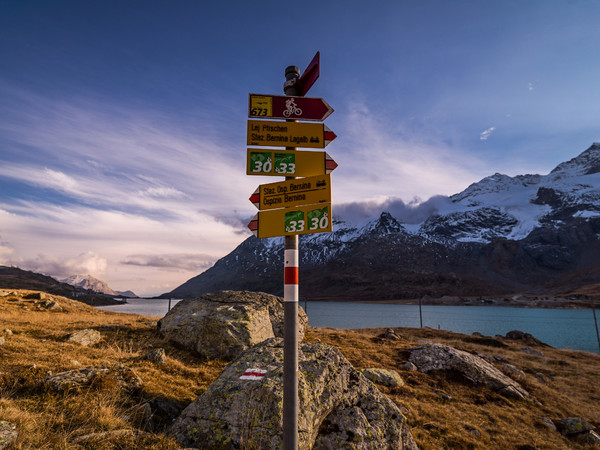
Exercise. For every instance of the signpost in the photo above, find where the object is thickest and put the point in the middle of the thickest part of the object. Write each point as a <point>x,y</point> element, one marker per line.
<point>299,191</point>
<point>284,134</point>
<point>284,107</point>
<point>298,163</point>
<point>305,219</point>
<point>292,207</point>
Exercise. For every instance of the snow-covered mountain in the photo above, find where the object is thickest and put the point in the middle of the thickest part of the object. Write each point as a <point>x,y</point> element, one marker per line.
<point>88,282</point>
<point>500,235</point>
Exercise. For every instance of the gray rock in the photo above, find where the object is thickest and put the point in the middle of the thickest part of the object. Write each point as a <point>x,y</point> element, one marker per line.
<point>35,296</point>
<point>8,332</point>
<point>338,406</point>
<point>51,305</point>
<point>384,377</point>
<point>514,372</point>
<point>85,337</point>
<point>100,377</point>
<point>391,335</point>
<point>408,366</point>
<point>156,355</point>
<point>224,324</point>
<point>546,421</point>
<point>531,351</point>
<point>8,433</point>
<point>437,357</point>
<point>573,425</point>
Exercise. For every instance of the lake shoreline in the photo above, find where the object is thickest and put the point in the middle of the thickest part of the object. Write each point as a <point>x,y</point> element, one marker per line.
<point>514,302</point>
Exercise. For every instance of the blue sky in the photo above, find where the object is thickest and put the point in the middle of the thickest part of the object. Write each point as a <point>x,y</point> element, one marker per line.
<point>122,123</point>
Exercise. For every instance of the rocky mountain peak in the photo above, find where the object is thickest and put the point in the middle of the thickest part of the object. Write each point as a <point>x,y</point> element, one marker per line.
<point>89,282</point>
<point>386,224</point>
<point>586,163</point>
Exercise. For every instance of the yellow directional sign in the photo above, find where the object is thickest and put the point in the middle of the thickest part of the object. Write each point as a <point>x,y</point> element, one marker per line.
<point>304,219</point>
<point>289,134</point>
<point>261,161</point>
<point>285,194</point>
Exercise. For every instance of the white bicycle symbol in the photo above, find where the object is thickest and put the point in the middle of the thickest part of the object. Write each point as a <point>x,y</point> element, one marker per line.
<point>292,108</point>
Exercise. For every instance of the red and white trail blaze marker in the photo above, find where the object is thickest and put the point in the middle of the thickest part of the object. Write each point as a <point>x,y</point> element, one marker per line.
<point>253,374</point>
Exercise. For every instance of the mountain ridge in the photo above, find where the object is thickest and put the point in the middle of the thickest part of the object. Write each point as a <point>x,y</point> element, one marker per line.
<point>501,235</point>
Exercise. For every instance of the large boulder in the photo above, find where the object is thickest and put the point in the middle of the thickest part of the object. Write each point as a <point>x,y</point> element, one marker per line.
<point>472,368</point>
<point>224,324</point>
<point>338,406</point>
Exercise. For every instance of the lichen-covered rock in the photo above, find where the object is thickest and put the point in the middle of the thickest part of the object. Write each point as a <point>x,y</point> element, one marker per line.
<point>85,337</point>
<point>384,377</point>
<point>94,377</point>
<point>156,355</point>
<point>338,406</point>
<point>437,357</point>
<point>8,433</point>
<point>573,425</point>
<point>224,324</point>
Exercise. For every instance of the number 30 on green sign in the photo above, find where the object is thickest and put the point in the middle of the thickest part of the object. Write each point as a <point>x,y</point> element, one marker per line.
<point>317,219</point>
<point>268,163</point>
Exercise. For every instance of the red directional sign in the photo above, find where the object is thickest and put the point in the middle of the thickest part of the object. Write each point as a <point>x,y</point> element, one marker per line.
<point>286,107</point>
<point>309,76</point>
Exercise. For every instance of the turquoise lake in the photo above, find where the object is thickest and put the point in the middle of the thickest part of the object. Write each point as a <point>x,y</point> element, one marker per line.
<point>561,328</point>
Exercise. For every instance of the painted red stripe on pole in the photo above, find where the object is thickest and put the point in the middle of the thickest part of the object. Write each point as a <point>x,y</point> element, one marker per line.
<point>290,275</point>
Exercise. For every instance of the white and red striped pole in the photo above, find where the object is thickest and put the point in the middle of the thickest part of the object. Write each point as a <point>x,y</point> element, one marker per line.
<point>290,312</point>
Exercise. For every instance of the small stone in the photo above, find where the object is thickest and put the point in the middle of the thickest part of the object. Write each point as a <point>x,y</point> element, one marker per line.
<point>542,378</point>
<point>513,371</point>
<point>8,433</point>
<point>384,377</point>
<point>546,421</point>
<point>531,351</point>
<point>391,335</point>
<point>473,431</point>
<point>85,337</point>
<point>51,305</point>
<point>442,395</point>
<point>156,355</point>
<point>1,341</point>
<point>8,332</point>
<point>408,366</point>
<point>500,358</point>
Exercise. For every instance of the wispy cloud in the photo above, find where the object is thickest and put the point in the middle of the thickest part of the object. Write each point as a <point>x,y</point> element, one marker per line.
<point>380,159</point>
<point>177,261</point>
<point>486,133</point>
<point>59,267</point>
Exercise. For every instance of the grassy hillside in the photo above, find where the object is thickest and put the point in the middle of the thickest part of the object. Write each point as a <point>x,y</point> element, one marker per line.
<point>441,412</point>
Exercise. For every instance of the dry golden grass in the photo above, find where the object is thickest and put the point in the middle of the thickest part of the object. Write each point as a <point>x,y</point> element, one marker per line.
<point>105,416</point>
<point>476,417</point>
<point>38,348</point>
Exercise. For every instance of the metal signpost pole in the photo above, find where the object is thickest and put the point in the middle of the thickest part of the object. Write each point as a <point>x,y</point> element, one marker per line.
<point>290,318</point>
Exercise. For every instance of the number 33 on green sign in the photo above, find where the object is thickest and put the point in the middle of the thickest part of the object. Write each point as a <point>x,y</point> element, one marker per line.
<point>318,219</point>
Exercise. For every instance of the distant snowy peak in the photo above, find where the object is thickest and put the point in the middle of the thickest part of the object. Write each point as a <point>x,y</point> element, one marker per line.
<point>89,282</point>
<point>587,163</point>
<point>494,184</point>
